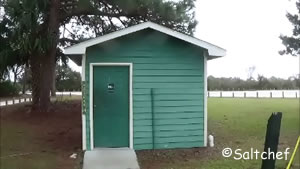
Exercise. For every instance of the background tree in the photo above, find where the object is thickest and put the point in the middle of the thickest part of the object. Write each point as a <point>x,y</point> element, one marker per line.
<point>262,83</point>
<point>17,70</point>
<point>25,79</point>
<point>67,79</point>
<point>250,72</point>
<point>39,28</point>
<point>10,58</point>
<point>292,43</point>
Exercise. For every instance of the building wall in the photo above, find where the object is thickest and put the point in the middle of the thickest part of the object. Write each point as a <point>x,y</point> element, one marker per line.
<point>174,71</point>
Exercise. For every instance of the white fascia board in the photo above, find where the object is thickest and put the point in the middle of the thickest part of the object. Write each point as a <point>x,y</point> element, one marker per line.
<point>79,49</point>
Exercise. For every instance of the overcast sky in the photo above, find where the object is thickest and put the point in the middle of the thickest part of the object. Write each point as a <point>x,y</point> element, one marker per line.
<point>249,30</point>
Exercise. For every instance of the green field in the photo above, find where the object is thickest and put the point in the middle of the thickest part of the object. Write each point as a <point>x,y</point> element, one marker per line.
<point>234,123</point>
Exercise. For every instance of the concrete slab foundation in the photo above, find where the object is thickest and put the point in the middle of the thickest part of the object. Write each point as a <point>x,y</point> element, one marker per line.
<point>110,158</point>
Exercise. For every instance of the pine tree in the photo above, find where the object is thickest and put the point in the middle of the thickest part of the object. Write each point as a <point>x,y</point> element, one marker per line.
<point>292,43</point>
<point>37,29</point>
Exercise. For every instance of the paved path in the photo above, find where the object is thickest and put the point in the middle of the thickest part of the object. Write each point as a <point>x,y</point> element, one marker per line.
<point>110,158</point>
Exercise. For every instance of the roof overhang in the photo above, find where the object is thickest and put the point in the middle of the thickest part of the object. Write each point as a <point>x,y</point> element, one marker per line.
<point>80,48</point>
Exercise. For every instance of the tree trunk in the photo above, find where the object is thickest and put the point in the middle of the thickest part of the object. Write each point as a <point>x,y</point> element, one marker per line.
<point>35,72</point>
<point>48,62</point>
<point>15,78</point>
<point>46,81</point>
<point>24,80</point>
<point>53,87</point>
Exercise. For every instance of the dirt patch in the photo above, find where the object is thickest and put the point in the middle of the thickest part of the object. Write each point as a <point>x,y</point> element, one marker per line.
<point>57,131</point>
<point>153,159</point>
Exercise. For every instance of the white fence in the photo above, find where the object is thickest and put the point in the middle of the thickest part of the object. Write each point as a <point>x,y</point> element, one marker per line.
<point>69,93</point>
<point>6,102</point>
<point>225,94</point>
<point>64,93</point>
<point>12,101</point>
<point>256,94</point>
<point>240,94</point>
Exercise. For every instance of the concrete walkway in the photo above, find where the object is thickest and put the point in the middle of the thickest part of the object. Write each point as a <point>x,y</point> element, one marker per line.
<point>110,158</point>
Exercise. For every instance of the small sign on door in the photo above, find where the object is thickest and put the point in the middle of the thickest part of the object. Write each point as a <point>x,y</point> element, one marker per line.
<point>111,87</point>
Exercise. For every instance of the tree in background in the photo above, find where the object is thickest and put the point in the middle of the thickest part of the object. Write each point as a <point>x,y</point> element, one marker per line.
<point>262,83</point>
<point>250,72</point>
<point>17,71</point>
<point>292,43</point>
<point>10,55</point>
<point>67,79</point>
<point>25,79</point>
<point>3,76</point>
<point>36,29</point>
<point>9,89</point>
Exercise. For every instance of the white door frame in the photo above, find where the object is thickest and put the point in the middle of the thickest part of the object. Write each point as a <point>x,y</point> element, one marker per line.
<point>130,65</point>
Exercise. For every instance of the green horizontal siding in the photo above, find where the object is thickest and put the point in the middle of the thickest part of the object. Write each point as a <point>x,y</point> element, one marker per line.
<point>198,90</point>
<point>170,145</point>
<point>168,97</point>
<point>167,79</point>
<point>163,122</point>
<point>171,109</point>
<point>167,140</point>
<point>165,66</point>
<point>162,72</point>
<point>167,134</point>
<point>174,71</point>
<point>165,85</point>
<point>180,115</point>
<point>174,127</point>
<point>163,103</point>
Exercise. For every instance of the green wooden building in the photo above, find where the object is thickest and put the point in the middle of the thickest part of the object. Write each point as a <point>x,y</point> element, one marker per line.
<point>144,87</point>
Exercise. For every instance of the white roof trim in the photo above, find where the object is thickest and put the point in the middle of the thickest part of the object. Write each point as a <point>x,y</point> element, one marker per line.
<point>79,49</point>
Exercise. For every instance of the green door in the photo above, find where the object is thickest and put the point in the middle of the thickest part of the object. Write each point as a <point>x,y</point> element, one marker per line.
<point>111,106</point>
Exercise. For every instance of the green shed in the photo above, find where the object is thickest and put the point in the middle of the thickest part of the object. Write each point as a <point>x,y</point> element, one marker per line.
<point>144,87</point>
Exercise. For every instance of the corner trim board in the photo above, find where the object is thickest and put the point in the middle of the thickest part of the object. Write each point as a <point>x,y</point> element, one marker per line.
<point>83,132</point>
<point>83,67</point>
<point>205,100</point>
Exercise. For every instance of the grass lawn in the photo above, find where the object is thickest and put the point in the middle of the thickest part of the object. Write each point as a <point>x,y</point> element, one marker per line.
<point>66,97</point>
<point>46,141</point>
<point>241,123</point>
